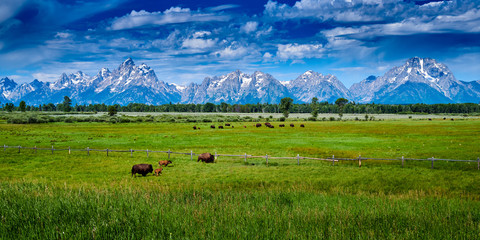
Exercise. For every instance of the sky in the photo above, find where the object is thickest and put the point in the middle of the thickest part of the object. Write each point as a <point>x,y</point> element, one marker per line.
<point>186,41</point>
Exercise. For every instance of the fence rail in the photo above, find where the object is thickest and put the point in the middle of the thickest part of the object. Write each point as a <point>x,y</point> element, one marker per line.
<point>332,159</point>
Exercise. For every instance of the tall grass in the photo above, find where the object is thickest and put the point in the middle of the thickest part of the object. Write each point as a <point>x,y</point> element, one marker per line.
<point>45,196</point>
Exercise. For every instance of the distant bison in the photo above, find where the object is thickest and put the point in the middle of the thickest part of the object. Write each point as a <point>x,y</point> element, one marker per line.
<point>301,125</point>
<point>268,124</point>
<point>143,169</point>
<point>158,171</point>
<point>258,125</point>
<point>212,126</point>
<point>206,157</point>
<point>227,124</point>
<point>281,125</point>
<point>220,127</point>
<point>244,126</point>
<point>194,127</point>
<point>164,163</point>
<point>271,126</point>
<point>291,125</point>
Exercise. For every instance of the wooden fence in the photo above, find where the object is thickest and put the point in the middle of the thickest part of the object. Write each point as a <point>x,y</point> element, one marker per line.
<point>245,156</point>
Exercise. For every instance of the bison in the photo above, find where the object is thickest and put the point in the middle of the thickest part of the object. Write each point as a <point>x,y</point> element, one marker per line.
<point>244,126</point>
<point>143,169</point>
<point>221,127</point>
<point>194,127</point>
<point>164,162</point>
<point>212,126</point>
<point>291,125</point>
<point>268,124</point>
<point>258,125</point>
<point>158,171</point>
<point>301,125</point>
<point>281,125</point>
<point>227,124</point>
<point>206,157</point>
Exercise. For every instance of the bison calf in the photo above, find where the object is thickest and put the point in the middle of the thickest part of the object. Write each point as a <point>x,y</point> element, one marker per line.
<point>206,157</point>
<point>158,171</point>
<point>143,169</point>
<point>164,162</point>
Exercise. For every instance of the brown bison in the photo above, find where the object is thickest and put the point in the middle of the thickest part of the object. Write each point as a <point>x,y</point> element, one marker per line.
<point>194,127</point>
<point>268,124</point>
<point>291,125</point>
<point>244,126</point>
<point>258,125</point>
<point>212,126</point>
<point>206,157</point>
<point>164,162</point>
<point>220,127</point>
<point>301,125</point>
<point>227,124</point>
<point>271,126</point>
<point>158,171</point>
<point>143,169</point>
<point>281,125</point>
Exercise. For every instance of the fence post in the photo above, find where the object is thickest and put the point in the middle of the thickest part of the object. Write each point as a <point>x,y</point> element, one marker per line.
<point>245,157</point>
<point>402,161</point>
<point>19,148</point>
<point>147,153</point>
<point>69,150</point>
<point>298,159</point>
<point>107,152</point>
<point>4,147</point>
<point>333,160</point>
<point>433,159</point>
<point>478,163</point>
<point>191,155</point>
<point>35,148</point>
<point>131,152</point>
<point>52,149</point>
<point>168,154</point>
<point>359,160</point>
<point>216,156</point>
<point>266,158</point>
<point>88,151</point>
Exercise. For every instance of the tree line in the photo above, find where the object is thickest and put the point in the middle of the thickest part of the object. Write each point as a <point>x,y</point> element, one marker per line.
<point>286,106</point>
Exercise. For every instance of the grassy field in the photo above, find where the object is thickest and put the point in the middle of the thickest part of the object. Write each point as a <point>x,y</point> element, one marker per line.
<point>64,196</point>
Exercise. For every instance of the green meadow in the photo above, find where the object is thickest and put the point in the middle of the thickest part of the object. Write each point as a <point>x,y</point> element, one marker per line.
<point>80,196</point>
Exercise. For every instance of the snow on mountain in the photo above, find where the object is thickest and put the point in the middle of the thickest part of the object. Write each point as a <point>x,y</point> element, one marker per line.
<point>236,87</point>
<point>312,84</point>
<point>433,83</point>
<point>419,80</point>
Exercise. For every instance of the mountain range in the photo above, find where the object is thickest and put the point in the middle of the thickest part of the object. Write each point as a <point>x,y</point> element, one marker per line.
<point>419,80</point>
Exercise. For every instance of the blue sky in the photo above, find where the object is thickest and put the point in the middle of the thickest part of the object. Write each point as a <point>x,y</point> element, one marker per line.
<point>185,41</point>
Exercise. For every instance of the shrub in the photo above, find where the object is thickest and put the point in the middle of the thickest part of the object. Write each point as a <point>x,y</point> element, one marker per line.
<point>312,119</point>
<point>281,119</point>
<point>332,118</point>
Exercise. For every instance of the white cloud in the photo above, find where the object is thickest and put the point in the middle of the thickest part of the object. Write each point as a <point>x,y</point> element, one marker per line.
<point>198,43</point>
<point>299,51</point>
<point>170,16</point>
<point>63,35</point>
<point>232,52</point>
<point>249,27</point>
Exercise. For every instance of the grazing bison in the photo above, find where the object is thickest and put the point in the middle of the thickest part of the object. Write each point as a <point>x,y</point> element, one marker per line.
<point>143,169</point>
<point>158,171</point>
<point>194,127</point>
<point>220,127</point>
<point>268,124</point>
<point>206,157</point>
<point>244,126</point>
<point>227,124</point>
<point>281,125</point>
<point>212,126</point>
<point>164,162</point>
<point>271,126</point>
<point>429,119</point>
<point>291,125</point>
<point>258,125</point>
<point>301,125</point>
<point>452,119</point>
